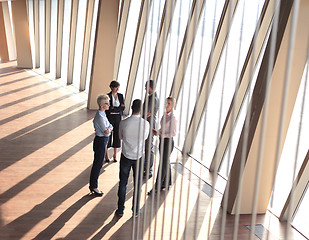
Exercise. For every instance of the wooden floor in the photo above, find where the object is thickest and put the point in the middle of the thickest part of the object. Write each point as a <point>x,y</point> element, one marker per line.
<point>45,158</point>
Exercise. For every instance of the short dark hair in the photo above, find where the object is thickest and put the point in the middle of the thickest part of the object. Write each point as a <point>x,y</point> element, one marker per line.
<point>114,84</point>
<point>136,106</point>
<point>150,83</point>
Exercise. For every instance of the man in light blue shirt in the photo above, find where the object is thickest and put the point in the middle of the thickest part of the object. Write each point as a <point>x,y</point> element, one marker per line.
<point>133,131</point>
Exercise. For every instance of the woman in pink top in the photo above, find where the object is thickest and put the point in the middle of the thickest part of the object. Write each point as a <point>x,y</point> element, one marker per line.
<point>167,131</point>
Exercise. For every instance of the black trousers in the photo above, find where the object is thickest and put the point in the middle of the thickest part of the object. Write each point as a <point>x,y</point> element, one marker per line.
<point>99,147</point>
<point>114,140</point>
<point>124,172</point>
<point>164,165</point>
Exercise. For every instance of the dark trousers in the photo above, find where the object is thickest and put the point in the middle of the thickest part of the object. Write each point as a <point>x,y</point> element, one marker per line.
<point>99,148</point>
<point>168,145</point>
<point>114,140</point>
<point>124,172</point>
<point>149,154</point>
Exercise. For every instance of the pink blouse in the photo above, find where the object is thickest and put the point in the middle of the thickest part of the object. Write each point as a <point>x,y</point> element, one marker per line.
<point>170,125</point>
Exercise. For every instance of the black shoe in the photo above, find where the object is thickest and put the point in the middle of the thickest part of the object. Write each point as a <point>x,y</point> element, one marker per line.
<point>118,213</point>
<point>96,192</point>
<point>107,160</point>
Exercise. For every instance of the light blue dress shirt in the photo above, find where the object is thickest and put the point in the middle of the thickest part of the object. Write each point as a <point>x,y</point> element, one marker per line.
<point>101,124</point>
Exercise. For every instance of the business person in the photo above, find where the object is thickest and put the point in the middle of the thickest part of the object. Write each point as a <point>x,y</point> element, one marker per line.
<point>114,115</point>
<point>166,133</point>
<point>102,129</point>
<point>133,131</point>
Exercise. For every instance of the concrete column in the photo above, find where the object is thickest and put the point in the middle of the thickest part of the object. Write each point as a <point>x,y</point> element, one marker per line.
<point>8,44</point>
<point>22,37</point>
<point>4,53</point>
<point>47,34</point>
<point>60,13</point>
<point>104,50</point>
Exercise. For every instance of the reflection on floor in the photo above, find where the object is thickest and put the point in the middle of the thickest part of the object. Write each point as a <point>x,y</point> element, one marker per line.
<point>46,154</point>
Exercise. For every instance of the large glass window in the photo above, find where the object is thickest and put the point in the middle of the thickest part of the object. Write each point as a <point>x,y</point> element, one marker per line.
<point>66,39</point>
<point>294,150</point>
<point>225,81</point>
<point>149,44</point>
<point>79,43</point>
<point>129,39</point>
<point>197,65</point>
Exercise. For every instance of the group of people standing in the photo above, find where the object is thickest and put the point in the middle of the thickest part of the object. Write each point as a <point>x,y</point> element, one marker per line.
<point>137,135</point>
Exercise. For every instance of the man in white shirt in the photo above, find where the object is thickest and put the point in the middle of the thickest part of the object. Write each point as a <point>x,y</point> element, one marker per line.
<point>133,131</point>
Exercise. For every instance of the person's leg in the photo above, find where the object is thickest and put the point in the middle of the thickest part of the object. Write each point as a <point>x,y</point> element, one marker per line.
<point>116,139</point>
<point>166,179</point>
<point>137,176</point>
<point>149,156</point>
<point>124,171</point>
<point>99,146</point>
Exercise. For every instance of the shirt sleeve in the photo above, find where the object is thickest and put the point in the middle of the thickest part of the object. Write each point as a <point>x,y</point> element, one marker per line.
<point>173,126</point>
<point>147,128</point>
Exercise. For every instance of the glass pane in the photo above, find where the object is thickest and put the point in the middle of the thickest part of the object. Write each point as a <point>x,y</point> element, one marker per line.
<point>149,45</point>
<point>42,34</point>
<point>300,221</point>
<point>66,39</point>
<point>80,30</point>
<point>91,47</point>
<point>53,38</point>
<point>197,65</point>
<point>299,127</point>
<point>128,44</point>
<point>225,80</point>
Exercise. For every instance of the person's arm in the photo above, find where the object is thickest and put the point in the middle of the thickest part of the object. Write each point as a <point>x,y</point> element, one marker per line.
<point>173,126</point>
<point>121,107</point>
<point>146,129</point>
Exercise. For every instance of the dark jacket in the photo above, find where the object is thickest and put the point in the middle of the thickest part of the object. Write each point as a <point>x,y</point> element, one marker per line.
<point>113,109</point>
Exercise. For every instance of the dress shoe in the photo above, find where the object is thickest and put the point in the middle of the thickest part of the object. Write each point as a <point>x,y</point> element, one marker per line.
<point>118,213</point>
<point>96,192</point>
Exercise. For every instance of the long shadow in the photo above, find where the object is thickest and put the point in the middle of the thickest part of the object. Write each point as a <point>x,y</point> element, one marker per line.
<point>23,224</point>
<point>23,88</point>
<point>59,223</point>
<point>13,81</point>
<point>9,69</point>
<point>97,217</point>
<point>29,97</point>
<point>32,141</point>
<point>13,191</point>
<point>29,111</point>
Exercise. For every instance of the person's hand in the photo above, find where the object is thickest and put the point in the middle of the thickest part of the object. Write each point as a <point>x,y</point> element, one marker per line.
<point>154,132</point>
<point>148,114</point>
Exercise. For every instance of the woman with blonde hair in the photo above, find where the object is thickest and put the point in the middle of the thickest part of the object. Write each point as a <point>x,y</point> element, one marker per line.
<point>102,129</point>
<point>167,131</point>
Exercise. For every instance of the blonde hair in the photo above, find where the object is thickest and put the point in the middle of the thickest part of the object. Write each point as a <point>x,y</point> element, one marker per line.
<point>173,101</point>
<point>101,98</point>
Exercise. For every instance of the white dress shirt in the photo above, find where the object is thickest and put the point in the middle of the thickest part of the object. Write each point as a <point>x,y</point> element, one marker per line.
<point>133,131</point>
